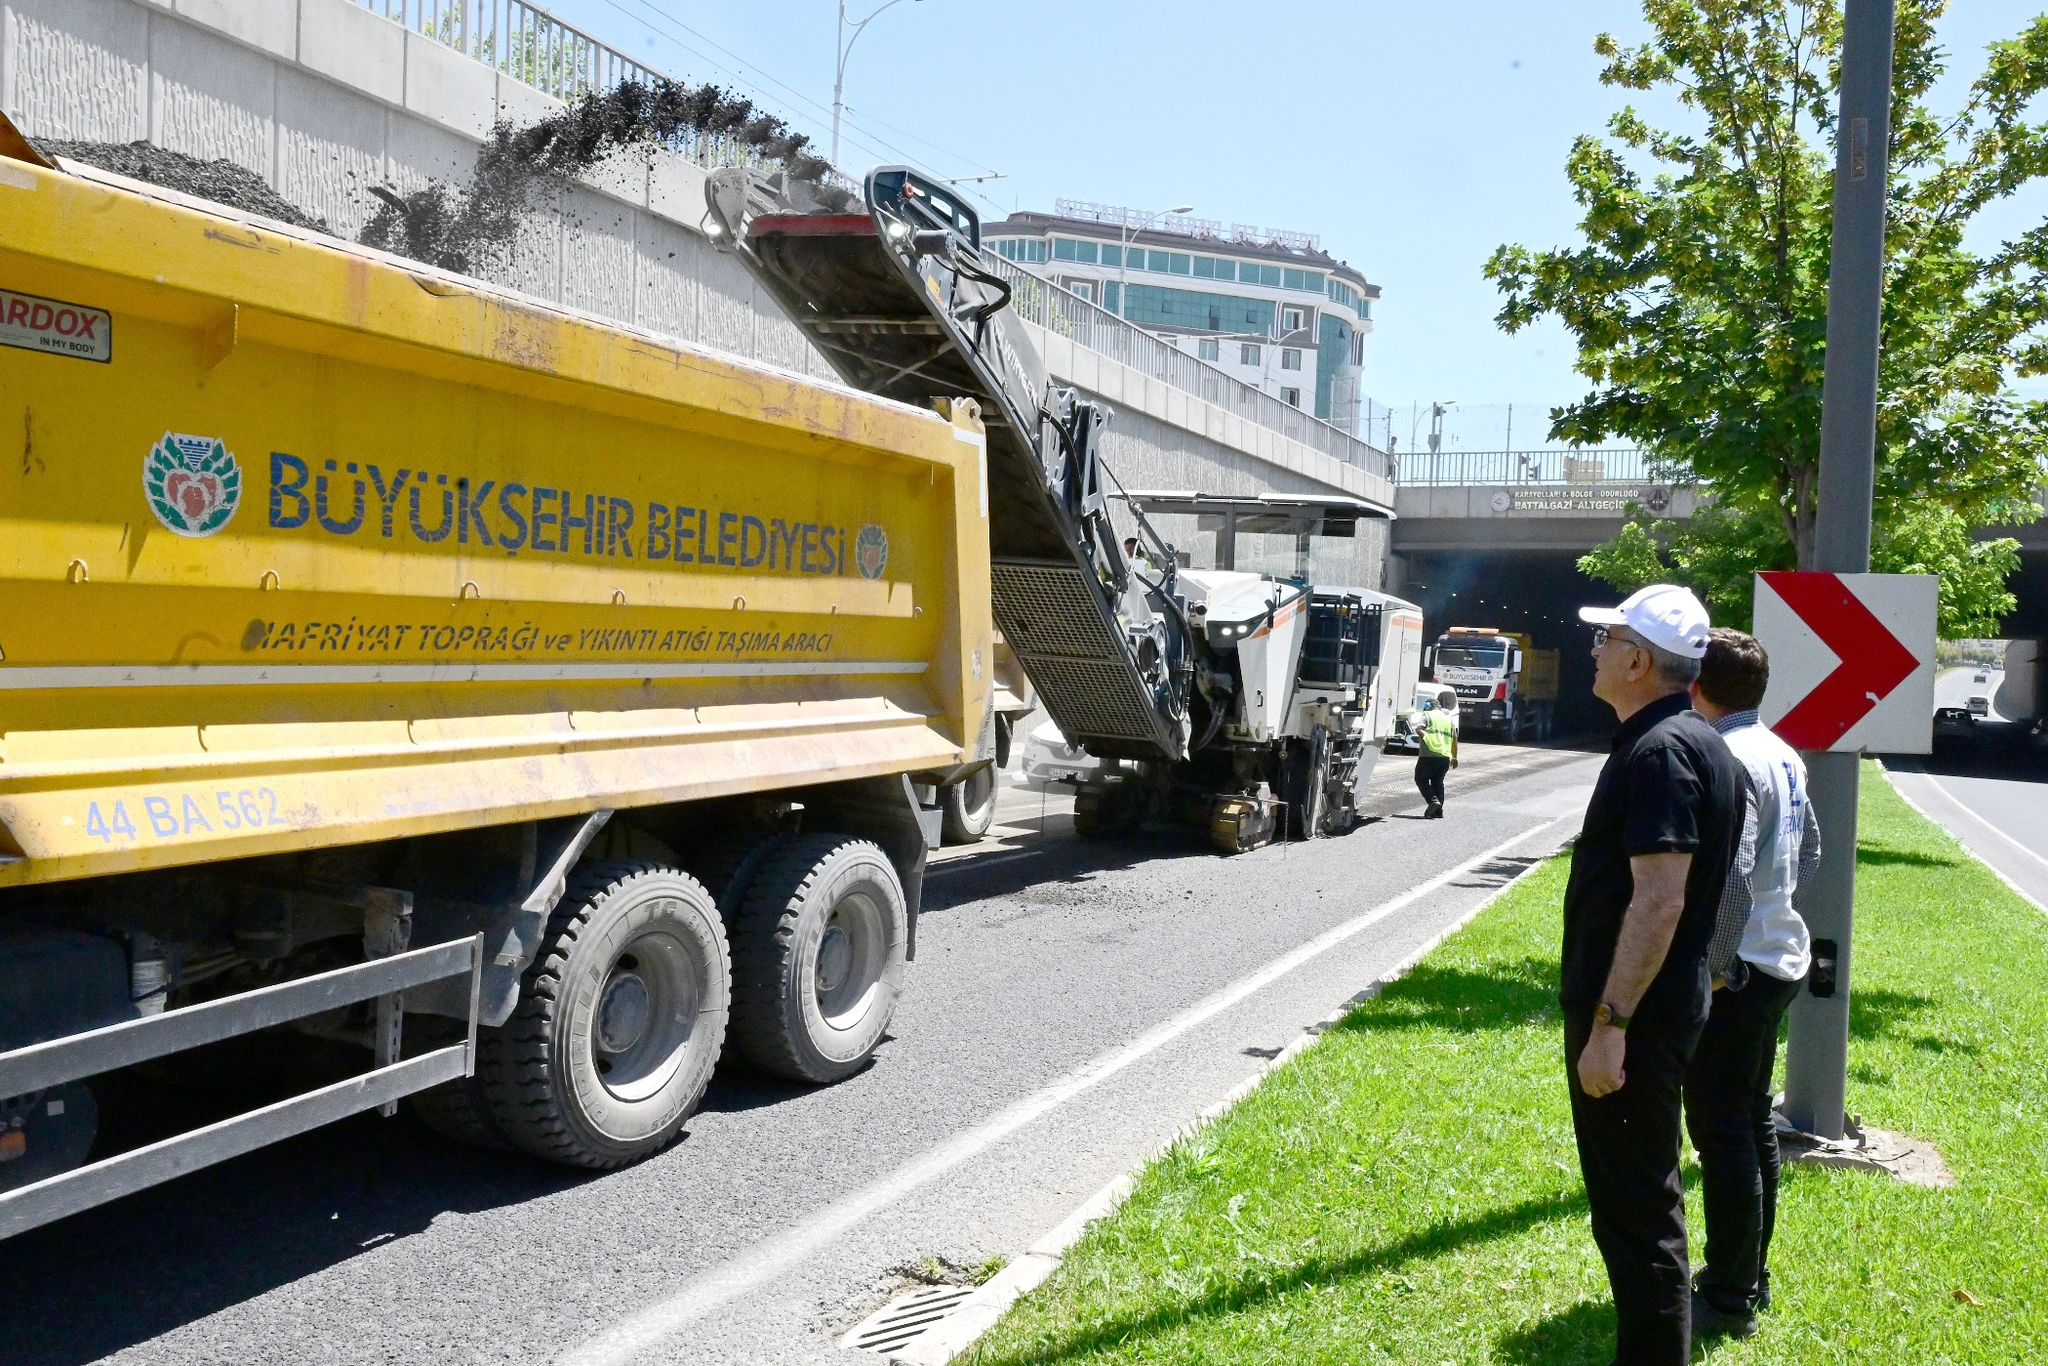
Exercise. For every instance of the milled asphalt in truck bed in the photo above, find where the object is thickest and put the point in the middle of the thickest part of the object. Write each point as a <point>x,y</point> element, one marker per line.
<point>370,1241</point>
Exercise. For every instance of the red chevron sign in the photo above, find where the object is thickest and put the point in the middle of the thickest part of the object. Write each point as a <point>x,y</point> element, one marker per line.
<point>1852,659</point>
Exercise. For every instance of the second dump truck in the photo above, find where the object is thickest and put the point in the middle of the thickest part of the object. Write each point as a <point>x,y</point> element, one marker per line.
<point>1507,688</point>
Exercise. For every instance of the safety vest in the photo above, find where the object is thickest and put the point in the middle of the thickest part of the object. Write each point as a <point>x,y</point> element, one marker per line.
<point>1440,733</point>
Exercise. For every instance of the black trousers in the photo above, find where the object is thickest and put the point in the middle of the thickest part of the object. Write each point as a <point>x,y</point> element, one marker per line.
<point>1728,1113</point>
<point>1628,1154</point>
<point>1429,776</point>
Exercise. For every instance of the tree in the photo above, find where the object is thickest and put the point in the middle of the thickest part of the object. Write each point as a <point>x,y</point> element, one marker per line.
<point>1699,293</point>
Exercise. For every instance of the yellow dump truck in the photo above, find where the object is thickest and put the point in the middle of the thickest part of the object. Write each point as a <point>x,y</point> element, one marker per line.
<point>534,701</point>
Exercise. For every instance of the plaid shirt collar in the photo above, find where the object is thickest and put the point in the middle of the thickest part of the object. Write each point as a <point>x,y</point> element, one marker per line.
<point>1738,720</point>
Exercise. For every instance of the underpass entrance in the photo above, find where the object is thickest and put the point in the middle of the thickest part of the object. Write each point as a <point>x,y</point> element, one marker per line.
<point>1537,592</point>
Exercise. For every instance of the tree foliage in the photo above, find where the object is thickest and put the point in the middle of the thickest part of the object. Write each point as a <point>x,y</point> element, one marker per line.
<point>1698,293</point>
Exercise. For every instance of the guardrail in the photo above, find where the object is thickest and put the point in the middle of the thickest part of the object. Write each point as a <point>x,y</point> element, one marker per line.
<point>1066,314</point>
<point>1585,468</point>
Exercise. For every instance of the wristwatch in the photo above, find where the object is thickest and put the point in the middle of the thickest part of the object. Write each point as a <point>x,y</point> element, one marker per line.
<point>1604,1014</point>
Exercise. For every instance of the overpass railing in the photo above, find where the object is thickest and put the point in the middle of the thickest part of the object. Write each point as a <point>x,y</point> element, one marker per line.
<point>523,41</point>
<point>532,46</point>
<point>1066,314</point>
<point>1589,467</point>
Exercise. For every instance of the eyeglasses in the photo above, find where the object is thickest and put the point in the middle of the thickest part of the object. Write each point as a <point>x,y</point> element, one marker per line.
<point>1603,634</point>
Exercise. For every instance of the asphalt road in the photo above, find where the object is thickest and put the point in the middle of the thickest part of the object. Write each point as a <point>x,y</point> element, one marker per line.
<point>1991,793</point>
<point>1072,1005</point>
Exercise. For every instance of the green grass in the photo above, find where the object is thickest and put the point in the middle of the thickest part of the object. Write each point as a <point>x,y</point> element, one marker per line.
<point>1407,1191</point>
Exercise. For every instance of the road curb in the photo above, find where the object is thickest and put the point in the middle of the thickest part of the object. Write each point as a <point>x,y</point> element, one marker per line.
<point>981,1311</point>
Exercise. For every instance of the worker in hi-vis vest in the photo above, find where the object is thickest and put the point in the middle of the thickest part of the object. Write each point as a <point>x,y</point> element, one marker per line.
<point>1439,752</point>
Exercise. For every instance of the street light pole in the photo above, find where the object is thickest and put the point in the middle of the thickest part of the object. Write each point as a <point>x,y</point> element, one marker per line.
<point>845,47</point>
<point>1123,254</point>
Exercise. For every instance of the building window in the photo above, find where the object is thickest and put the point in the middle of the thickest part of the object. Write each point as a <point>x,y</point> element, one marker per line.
<point>1290,358</point>
<point>1208,348</point>
<point>1085,251</point>
<point>1112,256</point>
<point>1205,267</point>
<point>1177,262</point>
<point>1155,260</point>
<point>1111,296</point>
<point>1291,397</point>
<point>1062,249</point>
<point>1249,353</point>
<point>1312,281</point>
<point>1084,288</point>
<point>1292,320</point>
<point>1290,278</point>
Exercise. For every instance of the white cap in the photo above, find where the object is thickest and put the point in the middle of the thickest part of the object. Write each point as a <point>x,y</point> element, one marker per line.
<point>1665,615</point>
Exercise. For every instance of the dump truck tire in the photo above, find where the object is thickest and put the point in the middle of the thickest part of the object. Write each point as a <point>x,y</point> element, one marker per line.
<point>619,1022</point>
<point>818,954</point>
<point>968,807</point>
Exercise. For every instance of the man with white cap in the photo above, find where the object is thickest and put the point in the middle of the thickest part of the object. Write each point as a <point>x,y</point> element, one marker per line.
<point>1662,829</point>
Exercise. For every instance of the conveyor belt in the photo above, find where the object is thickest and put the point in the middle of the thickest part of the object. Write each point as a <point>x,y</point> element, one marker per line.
<point>897,299</point>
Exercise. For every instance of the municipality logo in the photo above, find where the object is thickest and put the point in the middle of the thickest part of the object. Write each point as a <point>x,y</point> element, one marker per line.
<point>193,484</point>
<point>871,551</point>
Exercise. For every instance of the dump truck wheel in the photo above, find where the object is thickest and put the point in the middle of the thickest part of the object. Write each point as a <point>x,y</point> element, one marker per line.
<point>728,872</point>
<point>619,1021</point>
<point>968,807</point>
<point>818,954</point>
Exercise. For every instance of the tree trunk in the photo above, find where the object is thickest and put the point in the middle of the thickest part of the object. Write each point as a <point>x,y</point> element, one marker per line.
<point>1803,514</point>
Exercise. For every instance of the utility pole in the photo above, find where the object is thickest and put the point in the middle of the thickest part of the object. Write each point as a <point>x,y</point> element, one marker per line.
<point>1817,1054</point>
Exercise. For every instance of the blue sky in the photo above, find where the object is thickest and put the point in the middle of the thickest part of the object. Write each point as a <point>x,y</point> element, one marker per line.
<point>1415,138</point>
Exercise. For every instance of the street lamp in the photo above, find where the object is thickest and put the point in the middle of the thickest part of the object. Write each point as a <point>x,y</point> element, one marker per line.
<point>1123,254</point>
<point>845,44</point>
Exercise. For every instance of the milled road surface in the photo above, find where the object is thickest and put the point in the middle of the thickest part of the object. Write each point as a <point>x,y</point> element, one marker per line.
<point>1073,1004</point>
<point>1991,793</point>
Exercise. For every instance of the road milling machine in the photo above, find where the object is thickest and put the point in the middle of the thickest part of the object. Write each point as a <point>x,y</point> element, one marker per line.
<point>1237,700</point>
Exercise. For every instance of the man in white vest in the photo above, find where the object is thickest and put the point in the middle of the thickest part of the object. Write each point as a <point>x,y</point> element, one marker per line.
<point>1728,1082</point>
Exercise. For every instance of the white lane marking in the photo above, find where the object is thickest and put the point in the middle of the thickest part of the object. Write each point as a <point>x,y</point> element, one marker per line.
<point>773,1256</point>
<point>1963,807</point>
<point>2022,893</point>
<point>233,675</point>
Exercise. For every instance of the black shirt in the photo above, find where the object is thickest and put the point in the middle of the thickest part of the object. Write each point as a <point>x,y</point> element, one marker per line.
<point>1670,786</point>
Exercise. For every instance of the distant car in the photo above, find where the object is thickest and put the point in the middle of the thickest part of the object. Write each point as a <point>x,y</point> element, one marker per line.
<point>1048,758</point>
<point>1982,677</point>
<point>1980,705</point>
<point>1953,724</point>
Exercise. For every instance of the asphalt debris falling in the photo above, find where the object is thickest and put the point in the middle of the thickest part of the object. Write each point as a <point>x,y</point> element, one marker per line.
<point>471,227</point>
<point>222,182</point>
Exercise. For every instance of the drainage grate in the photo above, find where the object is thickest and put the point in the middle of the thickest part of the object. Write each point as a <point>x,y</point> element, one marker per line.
<point>903,1320</point>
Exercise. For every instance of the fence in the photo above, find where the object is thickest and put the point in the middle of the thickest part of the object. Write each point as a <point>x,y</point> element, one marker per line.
<point>1038,300</point>
<point>1589,467</point>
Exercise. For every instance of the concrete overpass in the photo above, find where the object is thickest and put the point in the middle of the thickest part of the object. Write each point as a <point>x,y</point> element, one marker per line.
<point>326,99</point>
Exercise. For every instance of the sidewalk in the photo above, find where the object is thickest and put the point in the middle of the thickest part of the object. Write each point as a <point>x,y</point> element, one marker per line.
<point>1407,1191</point>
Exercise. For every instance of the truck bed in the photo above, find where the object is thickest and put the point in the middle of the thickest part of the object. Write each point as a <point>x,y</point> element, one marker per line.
<point>302,545</point>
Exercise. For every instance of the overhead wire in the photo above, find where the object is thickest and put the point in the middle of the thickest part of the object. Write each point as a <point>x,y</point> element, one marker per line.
<point>817,128</point>
<point>866,144</point>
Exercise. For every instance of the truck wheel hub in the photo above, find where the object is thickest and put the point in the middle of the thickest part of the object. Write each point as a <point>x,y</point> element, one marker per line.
<point>835,958</point>
<point>623,1013</point>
